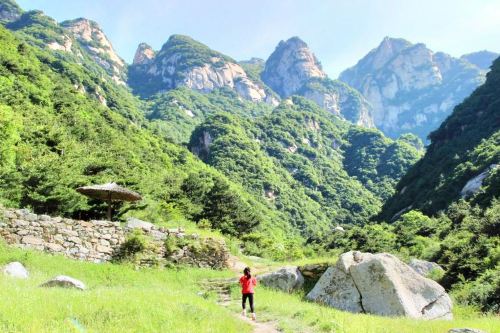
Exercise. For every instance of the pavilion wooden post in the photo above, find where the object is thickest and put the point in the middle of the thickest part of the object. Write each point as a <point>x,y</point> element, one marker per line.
<point>109,207</point>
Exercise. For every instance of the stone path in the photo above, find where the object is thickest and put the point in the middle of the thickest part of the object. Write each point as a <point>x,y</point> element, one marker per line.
<point>223,289</point>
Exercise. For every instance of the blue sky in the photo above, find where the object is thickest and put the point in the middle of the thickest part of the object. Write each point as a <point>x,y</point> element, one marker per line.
<point>339,32</point>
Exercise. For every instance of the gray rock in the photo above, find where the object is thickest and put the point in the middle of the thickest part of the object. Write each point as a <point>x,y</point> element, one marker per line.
<point>313,271</point>
<point>133,223</point>
<point>474,184</point>
<point>423,267</point>
<point>64,282</point>
<point>380,284</point>
<point>286,279</point>
<point>410,87</point>
<point>16,270</point>
<point>465,330</point>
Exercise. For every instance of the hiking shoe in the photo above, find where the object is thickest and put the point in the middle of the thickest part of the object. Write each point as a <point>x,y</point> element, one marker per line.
<point>253,316</point>
<point>244,313</point>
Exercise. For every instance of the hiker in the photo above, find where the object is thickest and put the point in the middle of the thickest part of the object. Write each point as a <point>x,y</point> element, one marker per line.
<point>247,283</point>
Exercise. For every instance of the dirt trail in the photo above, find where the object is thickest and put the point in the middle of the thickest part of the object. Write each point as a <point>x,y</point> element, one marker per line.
<point>223,289</point>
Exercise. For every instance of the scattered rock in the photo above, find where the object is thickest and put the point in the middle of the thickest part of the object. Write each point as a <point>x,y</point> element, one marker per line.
<point>64,282</point>
<point>423,267</point>
<point>380,284</point>
<point>286,279</point>
<point>16,270</point>
<point>474,184</point>
<point>133,223</point>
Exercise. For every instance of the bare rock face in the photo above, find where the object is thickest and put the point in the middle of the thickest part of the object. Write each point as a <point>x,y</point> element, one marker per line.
<point>473,185</point>
<point>290,66</point>
<point>424,267</point>
<point>410,87</point>
<point>338,98</point>
<point>383,285</point>
<point>95,42</point>
<point>144,54</point>
<point>285,279</point>
<point>293,69</point>
<point>184,62</point>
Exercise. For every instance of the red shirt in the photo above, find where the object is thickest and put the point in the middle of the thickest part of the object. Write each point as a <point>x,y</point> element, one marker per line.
<point>247,284</point>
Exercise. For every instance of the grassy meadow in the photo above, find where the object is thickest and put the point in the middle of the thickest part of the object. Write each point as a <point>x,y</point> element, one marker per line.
<point>122,299</point>
<point>118,299</point>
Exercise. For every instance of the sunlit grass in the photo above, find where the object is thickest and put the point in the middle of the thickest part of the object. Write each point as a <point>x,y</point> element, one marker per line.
<point>293,314</point>
<point>118,299</point>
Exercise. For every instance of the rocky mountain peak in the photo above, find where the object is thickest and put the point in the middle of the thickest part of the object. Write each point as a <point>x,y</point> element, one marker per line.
<point>482,59</point>
<point>9,11</point>
<point>290,66</point>
<point>410,87</point>
<point>93,39</point>
<point>185,62</point>
<point>144,54</point>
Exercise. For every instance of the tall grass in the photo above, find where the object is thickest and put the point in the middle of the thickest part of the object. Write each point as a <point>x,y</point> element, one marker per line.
<point>293,314</point>
<point>118,299</point>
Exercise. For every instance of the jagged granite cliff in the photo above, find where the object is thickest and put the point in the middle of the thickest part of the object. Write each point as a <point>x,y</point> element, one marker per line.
<point>462,160</point>
<point>293,69</point>
<point>410,87</point>
<point>183,61</point>
<point>95,42</point>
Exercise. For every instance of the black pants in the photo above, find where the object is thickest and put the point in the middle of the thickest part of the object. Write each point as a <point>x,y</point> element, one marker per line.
<point>250,300</point>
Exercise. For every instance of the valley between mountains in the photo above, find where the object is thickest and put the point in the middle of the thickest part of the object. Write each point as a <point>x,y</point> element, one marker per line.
<point>268,163</point>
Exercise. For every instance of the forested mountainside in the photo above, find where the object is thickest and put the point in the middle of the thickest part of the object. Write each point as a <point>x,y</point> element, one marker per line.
<point>316,168</point>
<point>69,120</point>
<point>410,87</point>
<point>462,159</point>
<point>57,135</point>
<point>457,185</point>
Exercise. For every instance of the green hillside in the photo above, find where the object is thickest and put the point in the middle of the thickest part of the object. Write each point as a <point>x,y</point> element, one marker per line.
<point>301,160</point>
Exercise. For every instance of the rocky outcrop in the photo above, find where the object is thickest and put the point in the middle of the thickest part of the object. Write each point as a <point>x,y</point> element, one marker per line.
<point>143,55</point>
<point>424,267</point>
<point>482,59</point>
<point>293,69</point>
<point>184,62</point>
<point>473,185</point>
<point>290,66</point>
<point>64,281</point>
<point>338,98</point>
<point>95,42</point>
<point>411,88</point>
<point>9,11</point>
<point>16,270</point>
<point>380,284</point>
<point>285,279</point>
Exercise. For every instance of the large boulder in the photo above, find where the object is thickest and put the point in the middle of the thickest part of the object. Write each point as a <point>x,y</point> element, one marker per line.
<point>380,284</point>
<point>313,272</point>
<point>16,270</point>
<point>64,282</point>
<point>423,267</point>
<point>286,279</point>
